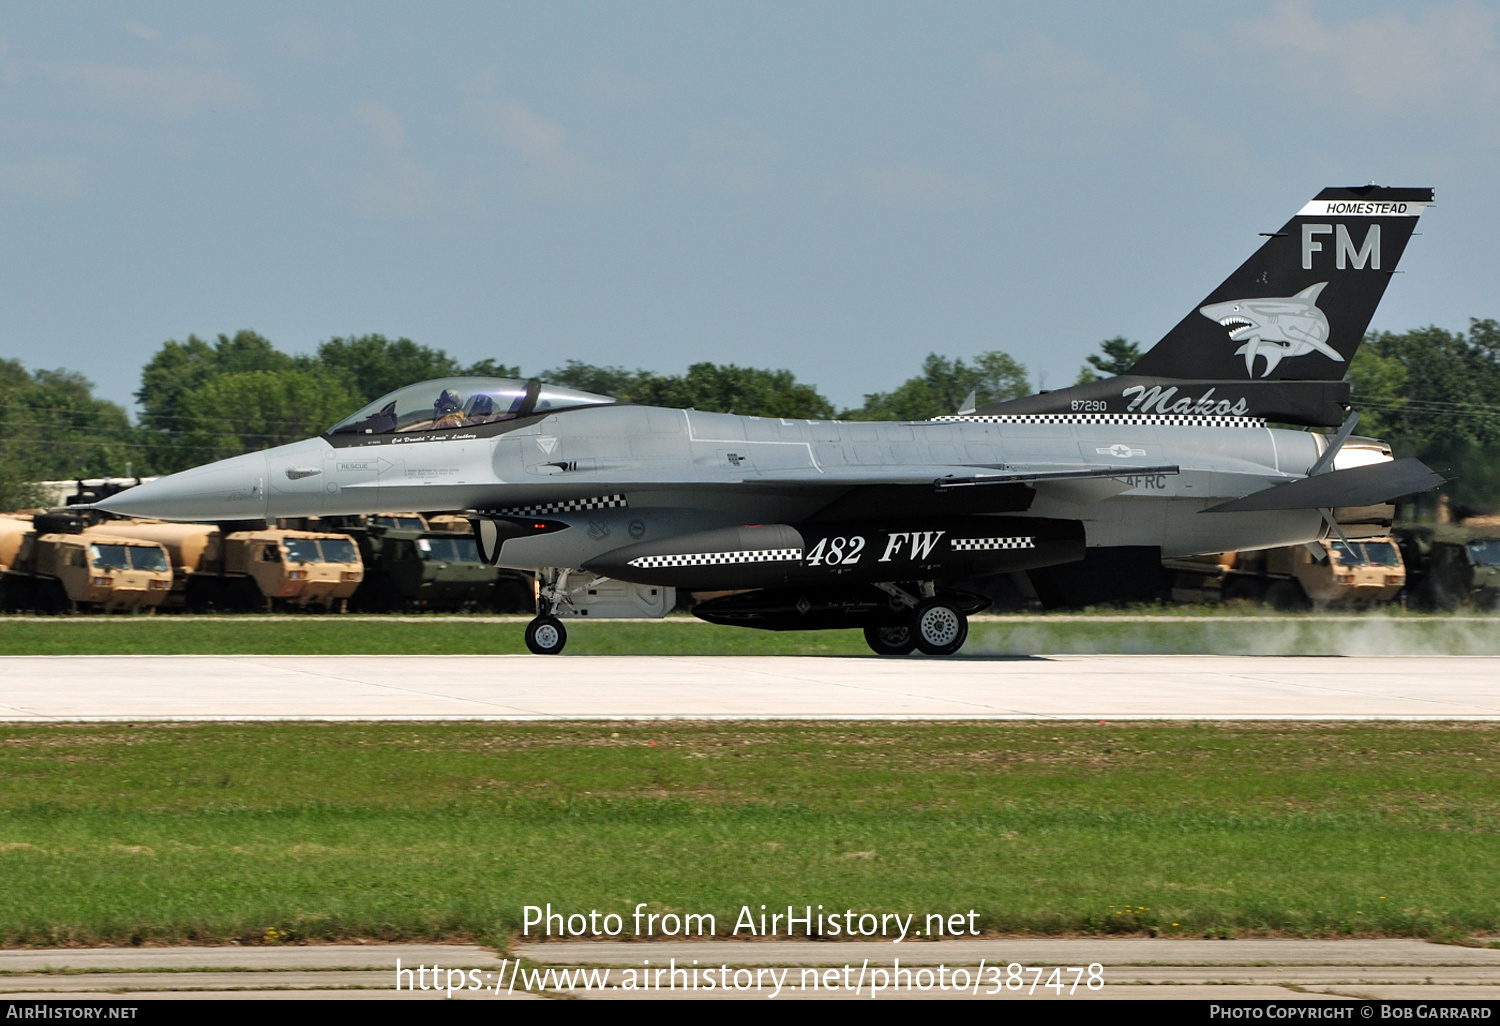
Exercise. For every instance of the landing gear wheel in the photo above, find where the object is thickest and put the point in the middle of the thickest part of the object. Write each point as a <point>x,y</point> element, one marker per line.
<point>939,627</point>
<point>890,640</point>
<point>546,635</point>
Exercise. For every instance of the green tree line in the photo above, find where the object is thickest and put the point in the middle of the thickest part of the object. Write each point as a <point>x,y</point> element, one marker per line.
<point>202,400</point>
<point>1433,393</point>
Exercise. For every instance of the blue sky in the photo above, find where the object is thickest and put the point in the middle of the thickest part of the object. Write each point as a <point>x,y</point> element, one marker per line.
<point>837,188</point>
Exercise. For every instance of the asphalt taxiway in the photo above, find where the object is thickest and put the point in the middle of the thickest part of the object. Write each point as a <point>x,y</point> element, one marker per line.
<point>424,687</point>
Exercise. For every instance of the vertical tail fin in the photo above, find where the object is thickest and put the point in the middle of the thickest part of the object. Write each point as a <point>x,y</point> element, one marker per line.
<point>1275,340</point>
<point>1298,309</point>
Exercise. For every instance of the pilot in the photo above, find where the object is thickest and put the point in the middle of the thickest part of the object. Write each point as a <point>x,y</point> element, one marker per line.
<point>481,409</point>
<point>447,412</point>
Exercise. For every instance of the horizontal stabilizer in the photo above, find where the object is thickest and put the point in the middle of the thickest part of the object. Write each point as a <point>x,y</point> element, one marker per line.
<point>1357,486</point>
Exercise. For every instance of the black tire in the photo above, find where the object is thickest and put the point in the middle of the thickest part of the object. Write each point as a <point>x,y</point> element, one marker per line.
<point>939,627</point>
<point>377,593</point>
<point>892,640</point>
<point>242,596</point>
<point>52,598</point>
<point>546,635</point>
<point>1287,597</point>
<point>19,595</point>
<point>1246,589</point>
<point>203,594</point>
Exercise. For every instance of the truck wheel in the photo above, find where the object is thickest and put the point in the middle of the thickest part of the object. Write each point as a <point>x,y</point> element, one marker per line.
<point>243,597</point>
<point>52,598</point>
<point>939,627</point>
<point>1246,589</point>
<point>893,641</point>
<point>378,594</point>
<point>203,594</point>
<point>19,595</point>
<point>546,635</point>
<point>1287,597</point>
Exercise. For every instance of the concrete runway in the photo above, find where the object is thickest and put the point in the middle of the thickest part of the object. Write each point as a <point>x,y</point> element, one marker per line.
<point>1279,970</point>
<point>1109,687</point>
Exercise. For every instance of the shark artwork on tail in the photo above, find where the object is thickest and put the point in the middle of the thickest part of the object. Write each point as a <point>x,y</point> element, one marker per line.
<point>1276,327</point>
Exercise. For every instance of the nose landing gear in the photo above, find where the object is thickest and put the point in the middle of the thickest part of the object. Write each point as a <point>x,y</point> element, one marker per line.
<point>546,635</point>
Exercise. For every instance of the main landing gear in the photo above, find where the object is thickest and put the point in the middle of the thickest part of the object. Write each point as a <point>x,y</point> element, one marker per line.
<point>940,627</point>
<point>935,625</point>
<point>890,640</point>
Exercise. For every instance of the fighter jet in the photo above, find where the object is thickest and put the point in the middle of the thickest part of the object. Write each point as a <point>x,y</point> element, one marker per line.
<point>874,526</point>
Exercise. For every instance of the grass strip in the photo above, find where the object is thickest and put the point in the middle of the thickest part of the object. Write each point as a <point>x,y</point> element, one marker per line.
<point>276,832</point>
<point>1309,635</point>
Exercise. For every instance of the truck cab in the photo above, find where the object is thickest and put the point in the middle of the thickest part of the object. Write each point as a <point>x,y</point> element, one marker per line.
<point>53,564</point>
<point>1360,572</point>
<point>296,568</point>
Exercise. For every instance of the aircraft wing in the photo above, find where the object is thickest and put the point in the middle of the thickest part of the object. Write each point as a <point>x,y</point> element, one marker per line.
<point>957,477</point>
<point>910,491</point>
<point>1023,476</point>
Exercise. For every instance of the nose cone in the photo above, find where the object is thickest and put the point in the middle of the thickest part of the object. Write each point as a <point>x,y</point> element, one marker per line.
<point>232,489</point>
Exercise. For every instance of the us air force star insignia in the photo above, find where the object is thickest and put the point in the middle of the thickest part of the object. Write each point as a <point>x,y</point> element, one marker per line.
<point>1119,451</point>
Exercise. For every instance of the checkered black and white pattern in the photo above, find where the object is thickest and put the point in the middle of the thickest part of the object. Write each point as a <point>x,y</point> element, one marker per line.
<point>991,544</point>
<point>1139,419</point>
<point>566,506</point>
<point>718,558</point>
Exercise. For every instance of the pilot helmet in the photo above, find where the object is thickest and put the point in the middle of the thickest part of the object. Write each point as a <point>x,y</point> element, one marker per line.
<point>447,403</point>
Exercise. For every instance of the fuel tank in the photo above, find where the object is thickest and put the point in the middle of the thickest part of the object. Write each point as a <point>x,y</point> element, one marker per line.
<point>774,555</point>
<point>820,608</point>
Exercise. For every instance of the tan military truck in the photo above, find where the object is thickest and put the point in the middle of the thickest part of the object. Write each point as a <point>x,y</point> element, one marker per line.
<point>14,530</point>
<point>1359,573</point>
<point>53,564</point>
<point>253,571</point>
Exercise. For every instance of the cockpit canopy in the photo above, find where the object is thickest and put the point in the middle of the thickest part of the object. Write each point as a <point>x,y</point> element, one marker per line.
<point>461,402</point>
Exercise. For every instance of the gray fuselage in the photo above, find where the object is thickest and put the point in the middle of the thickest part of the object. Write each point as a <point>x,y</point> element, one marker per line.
<point>622,474</point>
